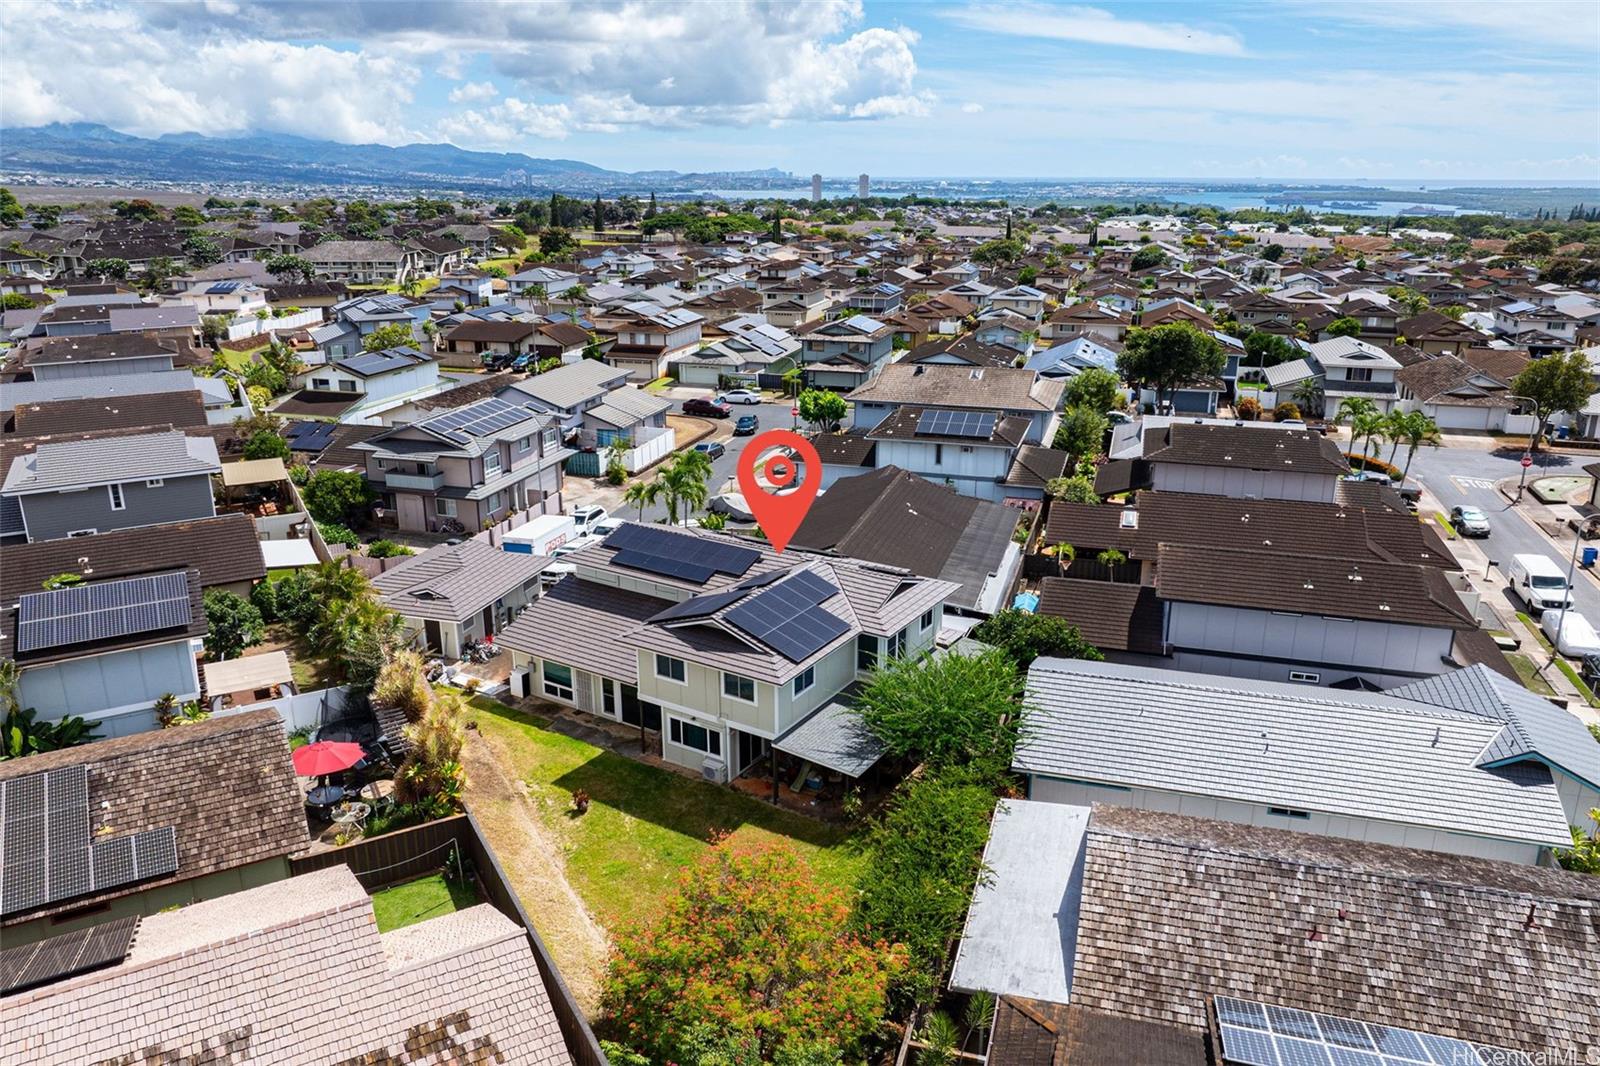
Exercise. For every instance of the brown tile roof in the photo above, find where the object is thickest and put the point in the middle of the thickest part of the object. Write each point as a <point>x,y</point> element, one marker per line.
<point>1435,380</point>
<point>565,334</point>
<point>932,385</point>
<point>492,332</point>
<point>1285,581</point>
<point>313,404</point>
<point>479,388</point>
<point>180,410</point>
<point>225,784</point>
<point>1249,447</point>
<point>231,980</point>
<point>902,425</point>
<point>967,348</point>
<point>1178,909</point>
<point>1111,615</point>
<point>845,449</point>
<point>1036,466</point>
<point>341,454</point>
<point>1377,531</point>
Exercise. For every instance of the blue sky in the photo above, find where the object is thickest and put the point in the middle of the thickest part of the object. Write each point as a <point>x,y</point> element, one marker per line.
<point>1291,89</point>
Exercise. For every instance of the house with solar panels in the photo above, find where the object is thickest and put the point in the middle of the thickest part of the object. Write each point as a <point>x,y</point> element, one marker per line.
<point>133,825</point>
<point>1146,938</point>
<point>738,659</point>
<point>846,352</point>
<point>468,467</point>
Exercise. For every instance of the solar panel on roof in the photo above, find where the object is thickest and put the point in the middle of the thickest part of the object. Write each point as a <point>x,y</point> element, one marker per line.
<point>222,288</point>
<point>698,606</point>
<point>761,580</point>
<point>786,617</point>
<point>699,554</point>
<point>66,955</point>
<point>104,610</point>
<point>369,363</point>
<point>665,565</point>
<point>1255,1034</point>
<point>475,420</point>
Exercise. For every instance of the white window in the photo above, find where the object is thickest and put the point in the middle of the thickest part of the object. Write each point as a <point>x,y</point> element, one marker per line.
<point>1288,812</point>
<point>739,688</point>
<point>897,644</point>
<point>491,462</point>
<point>925,623</point>
<point>347,386</point>
<point>1303,677</point>
<point>694,736</point>
<point>551,439</point>
<point>557,680</point>
<point>805,679</point>
<point>670,668</point>
<point>117,502</point>
<point>443,506</point>
<point>524,443</point>
<point>154,483</point>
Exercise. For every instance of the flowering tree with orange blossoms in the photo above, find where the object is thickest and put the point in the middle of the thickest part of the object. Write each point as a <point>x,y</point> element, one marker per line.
<point>751,943</point>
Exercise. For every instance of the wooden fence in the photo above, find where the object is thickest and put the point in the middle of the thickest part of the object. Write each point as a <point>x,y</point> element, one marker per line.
<point>409,853</point>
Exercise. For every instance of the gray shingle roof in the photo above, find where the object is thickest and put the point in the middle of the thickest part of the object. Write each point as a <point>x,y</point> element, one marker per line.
<point>566,386</point>
<point>1535,730</point>
<point>1358,755</point>
<point>75,464</point>
<point>20,392</point>
<point>451,582</point>
<point>834,736</point>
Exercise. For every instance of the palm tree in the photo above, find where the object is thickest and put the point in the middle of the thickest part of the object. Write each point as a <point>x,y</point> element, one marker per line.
<point>1366,427</point>
<point>1419,430</point>
<point>1352,408</point>
<point>1394,430</point>
<point>642,494</point>
<point>1308,395</point>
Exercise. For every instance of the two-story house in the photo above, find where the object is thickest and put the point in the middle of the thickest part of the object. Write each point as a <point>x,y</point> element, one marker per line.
<point>358,388</point>
<point>77,488</point>
<point>541,282</point>
<point>794,301</point>
<point>1344,368</point>
<point>365,262</point>
<point>593,404</point>
<point>1083,319</point>
<point>351,321</point>
<point>738,658</point>
<point>752,347</point>
<point>1259,460</point>
<point>466,468</point>
<point>1025,300</point>
<point>649,337</point>
<point>878,298</point>
<point>1007,390</point>
<point>1542,330</point>
<point>846,352</point>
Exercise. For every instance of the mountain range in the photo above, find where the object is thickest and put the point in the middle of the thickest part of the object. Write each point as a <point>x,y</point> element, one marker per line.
<point>85,149</point>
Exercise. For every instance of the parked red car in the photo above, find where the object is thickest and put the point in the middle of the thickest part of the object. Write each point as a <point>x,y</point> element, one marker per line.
<point>706,408</point>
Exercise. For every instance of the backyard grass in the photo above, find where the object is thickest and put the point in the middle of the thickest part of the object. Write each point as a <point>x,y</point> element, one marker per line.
<point>644,824</point>
<point>237,361</point>
<point>417,901</point>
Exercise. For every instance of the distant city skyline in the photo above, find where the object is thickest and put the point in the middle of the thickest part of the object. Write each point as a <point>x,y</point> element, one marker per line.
<point>1294,91</point>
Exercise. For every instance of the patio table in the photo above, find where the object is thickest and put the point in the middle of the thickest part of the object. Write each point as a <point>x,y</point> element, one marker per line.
<point>325,795</point>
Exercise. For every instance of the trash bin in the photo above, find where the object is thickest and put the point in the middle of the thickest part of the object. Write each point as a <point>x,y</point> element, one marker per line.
<point>1561,433</point>
<point>1589,556</point>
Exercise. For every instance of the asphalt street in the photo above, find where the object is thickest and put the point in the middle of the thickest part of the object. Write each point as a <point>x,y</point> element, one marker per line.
<point>1458,475</point>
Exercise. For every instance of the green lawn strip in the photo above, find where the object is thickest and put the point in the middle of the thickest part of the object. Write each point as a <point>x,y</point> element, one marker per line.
<point>1533,627</point>
<point>1438,516</point>
<point>417,901</point>
<point>1578,682</point>
<point>644,824</point>
<point>1529,673</point>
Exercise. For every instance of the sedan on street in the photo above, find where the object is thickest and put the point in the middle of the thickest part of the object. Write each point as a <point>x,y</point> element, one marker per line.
<point>1469,521</point>
<point>706,408</point>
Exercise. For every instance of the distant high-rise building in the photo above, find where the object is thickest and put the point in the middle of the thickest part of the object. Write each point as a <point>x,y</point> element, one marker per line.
<point>816,188</point>
<point>863,183</point>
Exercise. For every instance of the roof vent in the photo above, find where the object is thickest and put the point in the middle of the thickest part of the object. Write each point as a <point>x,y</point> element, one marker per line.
<point>1437,733</point>
<point>1383,607</point>
<point>1308,585</point>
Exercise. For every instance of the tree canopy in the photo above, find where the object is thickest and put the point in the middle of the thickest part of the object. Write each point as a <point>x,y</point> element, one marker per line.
<point>949,709</point>
<point>291,266</point>
<point>1025,636</point>
<point>1081,433</point>
<point>337,496</point>
<point>1170,356</point>
<point>753,944</point>
<point>822,408</point>
<point>389,335</point>
<point>1344,326</point>
<point>1094,388</point>
<point>232,624</point>
<point>1556,383</point>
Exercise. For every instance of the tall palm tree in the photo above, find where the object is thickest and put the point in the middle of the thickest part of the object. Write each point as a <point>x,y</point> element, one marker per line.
<point>1367,427</point>
<point>1419,430</point>
<point>1308,395</point>
<point>642,494</point>
<point>1394,430</point>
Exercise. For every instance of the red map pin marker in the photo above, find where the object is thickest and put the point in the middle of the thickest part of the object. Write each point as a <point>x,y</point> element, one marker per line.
<point>777,455</point>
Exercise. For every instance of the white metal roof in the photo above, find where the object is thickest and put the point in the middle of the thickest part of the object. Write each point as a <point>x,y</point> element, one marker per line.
<point>1359,755</point>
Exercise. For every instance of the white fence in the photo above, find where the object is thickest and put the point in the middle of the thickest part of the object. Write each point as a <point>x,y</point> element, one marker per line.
<point>304,710</point>
<point>252,326</point>
<point>648,452</point>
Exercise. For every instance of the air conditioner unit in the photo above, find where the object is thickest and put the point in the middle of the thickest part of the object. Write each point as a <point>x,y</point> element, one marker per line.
<point>521,683</point>
<point>714,769</point>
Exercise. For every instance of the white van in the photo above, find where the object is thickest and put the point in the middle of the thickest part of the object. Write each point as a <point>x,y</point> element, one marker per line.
<point>1539,583</point>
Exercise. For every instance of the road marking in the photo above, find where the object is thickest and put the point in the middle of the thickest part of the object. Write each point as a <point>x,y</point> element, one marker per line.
<point>1465,483</point>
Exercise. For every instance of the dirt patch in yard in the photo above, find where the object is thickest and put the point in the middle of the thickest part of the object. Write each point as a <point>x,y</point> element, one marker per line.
<point>687,430</point>
<point>537,869</point>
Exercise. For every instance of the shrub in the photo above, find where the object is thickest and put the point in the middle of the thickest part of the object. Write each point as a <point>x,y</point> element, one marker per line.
<point>1026,636</point>
<point>334,533</point>
<point>287,599</point>
<point>403,683</point>
<point>751,947</point>
<point>1075,489</point>
<point>1285,412</point>
<point>21,735</point>
<point>266,445</point>
<point>1248,409</point>
<point>388,549</point>
<point>432,771</point>
<point>340,496</point>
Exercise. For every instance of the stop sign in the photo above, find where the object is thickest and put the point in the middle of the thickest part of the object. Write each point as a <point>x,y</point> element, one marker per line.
<point>1527,461</point>
<point>794,411</point>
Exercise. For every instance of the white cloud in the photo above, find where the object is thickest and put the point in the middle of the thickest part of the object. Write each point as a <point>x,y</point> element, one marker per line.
<point>116,69</point>
<point>473,91</point>
<point>972,108</point>
<point>1093,25</point>
<point>509,125</point>
<point>1568,25</point>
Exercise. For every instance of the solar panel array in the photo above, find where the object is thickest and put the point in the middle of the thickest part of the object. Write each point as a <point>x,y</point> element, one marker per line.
<point>66,955</point>
<point>475,420</point>
<point>369,363</point>
<point>938,423</point>
<point>699,606</point>
<point>762,580</point>
<point>678,555</point>
<point>104,610</point>
<point>788,619</point>
<point>222,288</point>
<point>310,436</point>
<point>1258,1034</point>
<point>46,854</point>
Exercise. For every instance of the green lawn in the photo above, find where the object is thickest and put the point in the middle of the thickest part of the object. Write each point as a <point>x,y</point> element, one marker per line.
<point>1529,673</point>
<point>417,901</point>
<point>644,824</point>
<point>237,361</point>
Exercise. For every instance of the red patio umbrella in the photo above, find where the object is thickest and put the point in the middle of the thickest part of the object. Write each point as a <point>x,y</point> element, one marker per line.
<point>326,757</point>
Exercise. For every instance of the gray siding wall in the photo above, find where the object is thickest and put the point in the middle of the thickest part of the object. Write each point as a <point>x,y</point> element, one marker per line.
<point>1239,482</point>
<point>1374,830</point>
<point>51,515</point>
<point>129,680</point>
<point>1333,648</point>
<point>101,368</point>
